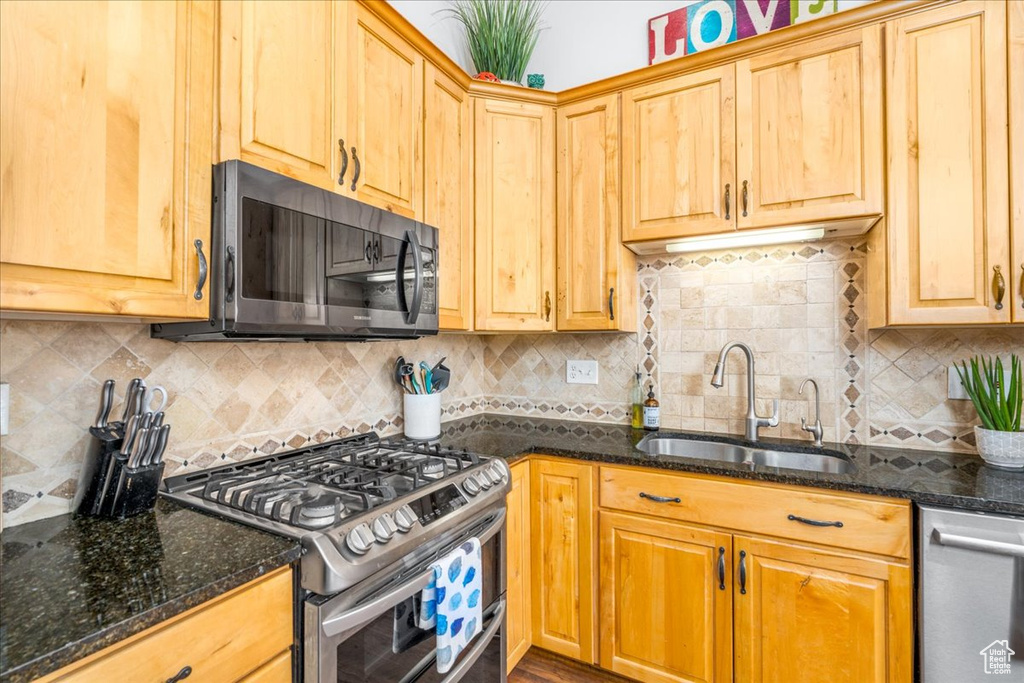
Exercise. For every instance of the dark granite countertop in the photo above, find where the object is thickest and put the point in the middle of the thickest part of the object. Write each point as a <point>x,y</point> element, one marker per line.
<point>928,477</point>
<point>70,587</point>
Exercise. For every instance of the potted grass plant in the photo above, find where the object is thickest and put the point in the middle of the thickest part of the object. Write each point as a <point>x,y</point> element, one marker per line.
<point>501,34</point>
<point>998,402</point>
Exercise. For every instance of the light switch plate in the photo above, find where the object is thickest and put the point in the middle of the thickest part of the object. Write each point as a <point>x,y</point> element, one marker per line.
<point>5,407</point>
<point>581,371</point>
<point>956,389</point>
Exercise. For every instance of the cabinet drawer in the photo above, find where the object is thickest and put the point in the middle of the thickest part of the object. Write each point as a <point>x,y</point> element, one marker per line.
<point>223,641</point>
<point>869,524</point>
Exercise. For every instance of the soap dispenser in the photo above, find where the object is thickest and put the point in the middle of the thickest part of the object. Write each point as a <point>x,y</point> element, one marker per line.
<point>652,412</point>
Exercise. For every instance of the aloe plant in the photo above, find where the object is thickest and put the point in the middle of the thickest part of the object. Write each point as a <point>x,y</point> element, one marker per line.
<point>501,34</point>
<point>999,407</point>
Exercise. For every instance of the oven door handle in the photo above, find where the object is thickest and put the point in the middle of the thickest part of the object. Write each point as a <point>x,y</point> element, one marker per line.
<point>351,618</point>
<point>463,667</point>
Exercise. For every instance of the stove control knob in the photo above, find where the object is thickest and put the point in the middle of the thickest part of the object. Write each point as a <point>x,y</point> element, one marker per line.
<point>404,518</point>
<point>360,539</point>
<point>494,474</point>
<point>483,480</point>
<point>470,486</point>
<point>384,527</point>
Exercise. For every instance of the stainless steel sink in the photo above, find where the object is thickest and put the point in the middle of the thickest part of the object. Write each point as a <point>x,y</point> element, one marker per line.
<point>816,460</point>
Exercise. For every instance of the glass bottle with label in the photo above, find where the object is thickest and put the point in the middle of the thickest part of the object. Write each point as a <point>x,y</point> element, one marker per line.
<point>636,400</point>
<point>652,412</point>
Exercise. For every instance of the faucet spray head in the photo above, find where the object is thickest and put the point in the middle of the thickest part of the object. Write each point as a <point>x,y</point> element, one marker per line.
<point>718,378</point>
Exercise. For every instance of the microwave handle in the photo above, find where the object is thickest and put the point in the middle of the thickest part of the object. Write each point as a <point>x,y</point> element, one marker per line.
<point>413,310</point>
<point>483,640</point>
<point>351,618</point>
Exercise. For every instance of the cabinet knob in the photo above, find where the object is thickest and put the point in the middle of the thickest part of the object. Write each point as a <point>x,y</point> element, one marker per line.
<point>202,270</point>
<point>344,161</point>
<point>998,286</point>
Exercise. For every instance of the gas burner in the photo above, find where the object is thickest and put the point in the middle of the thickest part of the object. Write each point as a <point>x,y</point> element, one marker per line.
<point>433,467</point>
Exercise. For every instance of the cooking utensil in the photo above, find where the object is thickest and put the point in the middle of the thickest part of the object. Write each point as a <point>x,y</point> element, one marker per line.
<point>438,363</point>
<point>415,382</point>
<point>138,448</point>
<point>129,400</point>
<point>156,455</point>
<point>106,403</point>
<point>440,376</point>
<point>147,399</point>
<point>427,372</point>
<point>400,374</point>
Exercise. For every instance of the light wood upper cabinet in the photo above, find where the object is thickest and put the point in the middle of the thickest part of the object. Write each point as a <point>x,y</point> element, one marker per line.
<point>596,274</point>
<point>519,629</point>
<point>564,561</point>
<point>809,131</point>
<point>384,117</point>
<point>948,214</point>
<point>678,156</point>
<point>448,188</point>
<point>804,616</point>
<point>281,64</point>
<point>515,216</point>
<point>106,133</point>
<point>1016,80</point>
<point>666,600</point>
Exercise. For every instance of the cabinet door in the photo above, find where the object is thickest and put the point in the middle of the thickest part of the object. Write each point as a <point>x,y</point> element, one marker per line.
<point>596,274</point>
<point>279,71</point>
<point>517,542</point>
<point>106,135</point>
<point>804,616</point>
<point>448,188</point>
<point>809,131</point>
<point>515,216</point>
<point>678,156</point>
<point>666,600</point>
<point>948,204</point>
<point>1016,80</point>
<point>385,116</point>
<point>564,571</point>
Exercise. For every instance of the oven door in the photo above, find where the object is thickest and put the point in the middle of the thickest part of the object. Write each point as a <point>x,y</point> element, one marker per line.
<point>370,634</point>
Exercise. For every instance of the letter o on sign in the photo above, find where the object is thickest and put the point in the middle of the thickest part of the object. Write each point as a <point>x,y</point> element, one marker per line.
<point>701,25</point>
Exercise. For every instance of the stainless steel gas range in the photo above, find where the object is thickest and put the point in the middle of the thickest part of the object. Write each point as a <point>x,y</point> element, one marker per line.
<point>372,517</point>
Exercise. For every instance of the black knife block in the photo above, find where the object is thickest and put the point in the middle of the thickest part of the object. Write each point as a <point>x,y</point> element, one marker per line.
<point>93,480</point>
<point>133,489</point>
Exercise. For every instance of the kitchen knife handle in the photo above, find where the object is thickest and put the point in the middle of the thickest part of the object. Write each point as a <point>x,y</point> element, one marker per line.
<point>106,402</point>
<point>721,568</point>
<point>181,675</point>
<point>743,572</point>
<point>129,400</point>
<point>611,303</point>
<point>727,198</point>
<point>202,270</point>
<point>344,161</point>
<point>358,168</point>
<point>998,286</point>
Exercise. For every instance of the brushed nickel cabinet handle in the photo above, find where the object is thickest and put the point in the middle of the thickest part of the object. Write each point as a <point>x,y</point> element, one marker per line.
<point>355,172</point>
<point>202,270</point>
<point>744,198</point>
<point>344,161</point>
<point>611,304</point>
<point>727,192</point>
<point>998,286</point>
<point>547,306</point>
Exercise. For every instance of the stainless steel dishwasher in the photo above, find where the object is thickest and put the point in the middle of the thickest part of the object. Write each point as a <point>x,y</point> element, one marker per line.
<point>970,596</point>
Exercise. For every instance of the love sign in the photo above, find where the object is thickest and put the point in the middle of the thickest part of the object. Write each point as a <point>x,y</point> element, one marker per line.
<point>710,23</point>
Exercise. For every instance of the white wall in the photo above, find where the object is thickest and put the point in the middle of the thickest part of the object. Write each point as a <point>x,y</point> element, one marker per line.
<point>586,40</point>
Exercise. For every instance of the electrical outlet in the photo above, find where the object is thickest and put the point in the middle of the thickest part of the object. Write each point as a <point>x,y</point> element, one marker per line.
<point>956,389</point>
<point>5,407</point>
<point>581,371</point>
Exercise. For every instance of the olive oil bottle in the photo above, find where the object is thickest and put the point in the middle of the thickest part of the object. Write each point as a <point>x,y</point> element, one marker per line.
<point>636,400</point>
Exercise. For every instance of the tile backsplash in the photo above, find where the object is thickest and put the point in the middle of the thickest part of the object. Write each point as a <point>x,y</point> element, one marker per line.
<point>801,307</point>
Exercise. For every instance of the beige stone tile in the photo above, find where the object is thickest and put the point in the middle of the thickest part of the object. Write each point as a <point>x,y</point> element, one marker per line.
<point>891,344</point>
<point>44,377</point>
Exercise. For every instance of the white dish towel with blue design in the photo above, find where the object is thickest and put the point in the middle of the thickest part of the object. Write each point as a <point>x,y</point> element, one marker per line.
<point>451,602</point>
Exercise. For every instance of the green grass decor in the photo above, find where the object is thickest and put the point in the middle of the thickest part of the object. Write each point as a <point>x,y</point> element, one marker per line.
<point>998,406</point>
<point>501,34</point>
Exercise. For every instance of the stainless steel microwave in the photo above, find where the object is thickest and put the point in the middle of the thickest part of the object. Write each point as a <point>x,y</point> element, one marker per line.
<point>290,261</point>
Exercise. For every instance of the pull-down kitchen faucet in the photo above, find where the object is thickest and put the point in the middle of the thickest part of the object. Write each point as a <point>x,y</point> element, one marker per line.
<point>754,422</point>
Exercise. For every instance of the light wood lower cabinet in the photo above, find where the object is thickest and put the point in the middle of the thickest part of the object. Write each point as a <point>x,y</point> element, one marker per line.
<point>666,600</point>
<point>106,150</point>
<point>804,615</point>
<point>564,558</point>
<point>519,629</point>
<point>245,634</point>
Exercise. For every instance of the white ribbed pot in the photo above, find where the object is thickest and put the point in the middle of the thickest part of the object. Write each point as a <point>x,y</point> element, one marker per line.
<point>1004,450</point>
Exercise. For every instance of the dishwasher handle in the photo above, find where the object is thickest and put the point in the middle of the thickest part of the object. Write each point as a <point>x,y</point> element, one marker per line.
<point>980,544</point>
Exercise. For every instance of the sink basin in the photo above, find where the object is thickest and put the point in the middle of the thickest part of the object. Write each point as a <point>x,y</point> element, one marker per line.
<point>816,460</point>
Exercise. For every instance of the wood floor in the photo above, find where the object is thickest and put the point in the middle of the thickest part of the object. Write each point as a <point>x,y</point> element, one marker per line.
<point>540,666</point>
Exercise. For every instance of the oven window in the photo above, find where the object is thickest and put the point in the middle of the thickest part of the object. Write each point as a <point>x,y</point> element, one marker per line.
<point>393,648</point>
<point>280,255</point>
